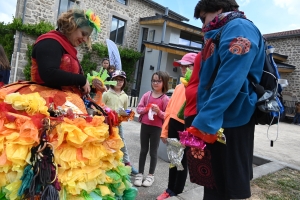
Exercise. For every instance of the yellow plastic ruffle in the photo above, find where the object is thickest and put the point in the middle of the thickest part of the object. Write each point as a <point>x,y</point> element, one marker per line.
<point>32,103</point>
<point>84,151</point>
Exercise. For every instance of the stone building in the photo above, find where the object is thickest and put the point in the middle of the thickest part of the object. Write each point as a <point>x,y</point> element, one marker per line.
<point>119,21</point>
<point>287,58</point>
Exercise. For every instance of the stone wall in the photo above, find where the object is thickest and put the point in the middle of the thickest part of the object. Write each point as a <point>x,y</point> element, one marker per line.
<point>291,48</point>
<point>37,10</point>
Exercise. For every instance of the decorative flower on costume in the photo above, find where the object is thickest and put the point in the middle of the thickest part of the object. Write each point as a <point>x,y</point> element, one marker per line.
<point>94,20</point>
<point>102,75</point>
<point>31,103</point>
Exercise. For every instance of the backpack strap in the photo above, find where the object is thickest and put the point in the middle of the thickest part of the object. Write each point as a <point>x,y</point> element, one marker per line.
<point>216,41</point>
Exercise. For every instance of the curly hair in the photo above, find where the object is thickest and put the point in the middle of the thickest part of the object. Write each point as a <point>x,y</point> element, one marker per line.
<point>69,21</point>
<point>4,63</point>
<point>215,5</point>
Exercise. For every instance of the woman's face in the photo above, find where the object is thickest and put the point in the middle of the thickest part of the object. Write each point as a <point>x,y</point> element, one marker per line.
<point>207,17</point>
<point>80,35</point>
<point>105,64</point>
<point>183,68</point>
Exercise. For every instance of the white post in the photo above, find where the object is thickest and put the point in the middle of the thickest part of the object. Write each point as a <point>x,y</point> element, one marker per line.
<point>16,67</point>
<point>129,101</point>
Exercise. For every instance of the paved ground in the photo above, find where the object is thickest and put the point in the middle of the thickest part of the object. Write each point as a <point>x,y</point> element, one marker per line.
<point>285,150</point>
<point>132,137</point>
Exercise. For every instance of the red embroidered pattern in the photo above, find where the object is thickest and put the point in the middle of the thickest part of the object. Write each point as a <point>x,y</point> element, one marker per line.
<point>208,50</point>
<point>240,46</point>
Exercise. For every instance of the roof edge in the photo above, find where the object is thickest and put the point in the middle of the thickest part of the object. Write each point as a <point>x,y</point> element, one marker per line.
<point>157,5</point>
<point>281,36</point>
<point>171,20</point>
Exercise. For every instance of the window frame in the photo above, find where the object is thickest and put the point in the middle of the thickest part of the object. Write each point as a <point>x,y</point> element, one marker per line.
<point>68,7</point>
<point>126,2</point>
<point>190,39</point>
<point>116,34</point>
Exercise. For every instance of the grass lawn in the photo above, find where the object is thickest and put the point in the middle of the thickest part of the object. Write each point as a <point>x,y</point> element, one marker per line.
<point>281,185</point>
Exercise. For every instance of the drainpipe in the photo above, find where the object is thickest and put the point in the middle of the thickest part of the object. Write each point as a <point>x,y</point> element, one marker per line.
<point>19,44</point>
<point>162,38</point>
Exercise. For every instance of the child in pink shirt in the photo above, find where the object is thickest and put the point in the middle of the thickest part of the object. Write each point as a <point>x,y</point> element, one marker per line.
<point>151,108</point>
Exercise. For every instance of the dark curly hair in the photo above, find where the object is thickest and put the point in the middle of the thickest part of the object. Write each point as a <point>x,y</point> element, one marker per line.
<point>215,5</point>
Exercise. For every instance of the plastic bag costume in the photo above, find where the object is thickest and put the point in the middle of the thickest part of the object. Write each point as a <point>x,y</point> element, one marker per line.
<point>50,148</point>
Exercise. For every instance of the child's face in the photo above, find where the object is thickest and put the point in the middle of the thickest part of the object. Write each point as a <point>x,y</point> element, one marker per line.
<point>120,82</point>
<point>157,83</point>
<point>105,64</point>
<point>111,70</point>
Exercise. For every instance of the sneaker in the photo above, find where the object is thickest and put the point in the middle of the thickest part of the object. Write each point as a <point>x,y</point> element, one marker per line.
<point>138,180</point>
<point>163,196</point>
<point>148,181</point>
<point>134,171</point>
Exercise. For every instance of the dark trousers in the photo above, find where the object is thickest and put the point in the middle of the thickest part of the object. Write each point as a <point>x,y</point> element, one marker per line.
<point>149,135</point>
<point>177,178</point>
<point>232,164</point>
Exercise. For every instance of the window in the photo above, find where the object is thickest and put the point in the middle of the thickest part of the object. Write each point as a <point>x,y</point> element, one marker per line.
<point>117,30</point>
<point>172,82</point>
<point>122,2</point>
<point>190,39</point>
<point>65,5</point>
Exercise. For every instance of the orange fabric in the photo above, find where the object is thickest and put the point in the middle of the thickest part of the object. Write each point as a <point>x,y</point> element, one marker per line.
<point>173,107</point>
<point>98,98</point>
<point>71,94</point>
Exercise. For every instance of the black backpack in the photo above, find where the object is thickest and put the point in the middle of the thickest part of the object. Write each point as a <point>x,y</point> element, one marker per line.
<point>269,107</point>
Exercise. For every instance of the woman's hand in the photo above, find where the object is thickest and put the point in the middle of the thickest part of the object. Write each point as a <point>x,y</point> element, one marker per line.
<point>155,108</point>
<point>86,89</point>
<point>164,140</point>
<point>98,85</point>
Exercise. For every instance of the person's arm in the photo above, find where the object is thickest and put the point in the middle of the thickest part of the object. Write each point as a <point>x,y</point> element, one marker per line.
<point>48,54</point>
<point>161,113</point>
<point>142,107</point>
<point>231,80</point>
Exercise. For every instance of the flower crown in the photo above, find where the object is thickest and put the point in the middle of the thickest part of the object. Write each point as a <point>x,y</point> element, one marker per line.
<point>94,20</point>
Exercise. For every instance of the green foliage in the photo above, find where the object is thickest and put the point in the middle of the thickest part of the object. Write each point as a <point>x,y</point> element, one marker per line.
<point>7,32</point>
<point>128,58</point>
<point>87,65</point>
<point>100,49</point>
<point>27,68</point>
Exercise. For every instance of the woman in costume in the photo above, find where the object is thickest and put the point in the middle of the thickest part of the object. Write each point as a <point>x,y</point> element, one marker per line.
<point>70,155</point>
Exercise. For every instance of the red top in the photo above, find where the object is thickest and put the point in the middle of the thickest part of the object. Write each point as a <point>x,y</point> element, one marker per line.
<point>192,88</point>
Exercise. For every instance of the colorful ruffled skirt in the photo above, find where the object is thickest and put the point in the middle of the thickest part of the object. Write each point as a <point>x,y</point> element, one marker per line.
<point>44,157</point>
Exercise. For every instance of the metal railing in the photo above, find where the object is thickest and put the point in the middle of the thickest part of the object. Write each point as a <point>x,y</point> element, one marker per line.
<point>132,101</point>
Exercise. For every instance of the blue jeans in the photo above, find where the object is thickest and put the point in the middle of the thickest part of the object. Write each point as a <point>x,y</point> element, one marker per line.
<point>296,118</point>
<point>124,149</point>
